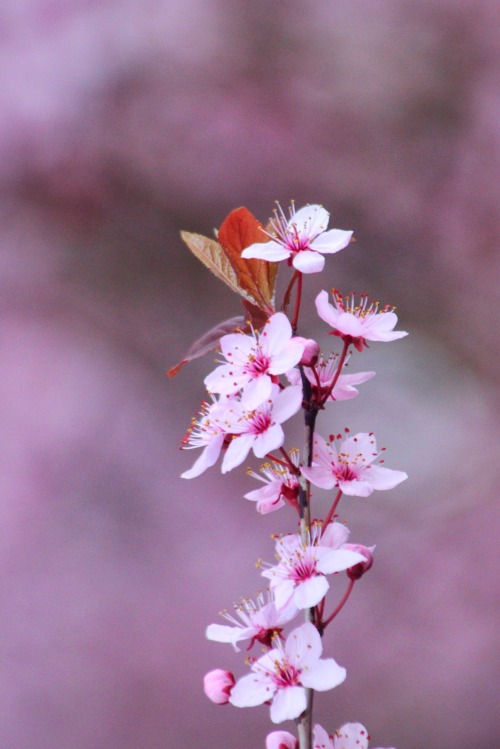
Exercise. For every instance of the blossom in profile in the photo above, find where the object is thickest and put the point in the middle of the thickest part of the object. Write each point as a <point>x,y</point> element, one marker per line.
<point>348,736</point>
<point>281,740</point>
<point>260,429</point>
<point>280,485</point>
<point>350,468</point>
<point>259,621</point>
<point>217,685</point>
<point>357,323</point>
<point>321,376</point>
<point>302,239</point>
<point>300,574</point>
<point>252,360</point>
<point>208,430</point>
<point>283,674</point>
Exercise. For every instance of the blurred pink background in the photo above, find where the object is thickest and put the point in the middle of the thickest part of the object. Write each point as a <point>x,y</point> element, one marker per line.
<point>122,123</point>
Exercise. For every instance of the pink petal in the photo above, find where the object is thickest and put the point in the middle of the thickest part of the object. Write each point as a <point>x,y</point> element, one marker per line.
<point>256,392</point>
<point>236,346</point>
<point>303,645</point>
<point>335,535</point>
<point>287,358</point>
<point>288,704</point>
<point>310,592</point>
<point>251,690</point>
<point>349,325</point>
<point>287,403</point>
<point>356,488</point>
<point>319,476</point>
<point>351,736</point>
<point>308,261</point>
<point>281,740</point>
<point>311,219</point>
<point>361,443</point>
<point>283,591</point>
<point>338,560</point>
<point>325,310</point>
<point>223,380</point>
<point>276,333</point>
<point>268,441</point>
<point>384,478</point>
<point>321,739</point>
<point>323,675</point>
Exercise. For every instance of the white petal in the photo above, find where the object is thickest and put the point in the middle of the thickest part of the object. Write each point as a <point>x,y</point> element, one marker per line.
<point>207,458</point>
<point>270,251</point>
<point>308,261</point>
<point>311,219</point>
<point>319,476</point>
<point>321,739</point>
<point>323,675</point>
<point>288,704</point>
<point>237,451</point>
<point>287,358</point>
<point>225,380</point>
<point>332,241</point>
<point>325,310</point>
<point>221,633</point>
<point>276,333</point>
<point>335,535</point>
<point>351,736</point>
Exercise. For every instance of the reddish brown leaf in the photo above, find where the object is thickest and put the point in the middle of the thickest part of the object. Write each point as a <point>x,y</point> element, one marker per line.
<point>257,277</point>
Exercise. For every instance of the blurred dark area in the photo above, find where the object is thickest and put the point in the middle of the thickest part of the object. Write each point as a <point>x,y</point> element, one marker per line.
<point>122,123</point>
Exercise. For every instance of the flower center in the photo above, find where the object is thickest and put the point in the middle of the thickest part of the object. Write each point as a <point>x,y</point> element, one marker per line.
<point>344,472</point>
<point>285,675</point>
<point>257,364</point>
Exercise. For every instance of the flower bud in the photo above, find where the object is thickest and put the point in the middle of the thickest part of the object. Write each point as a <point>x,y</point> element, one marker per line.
<point>358,570</point>
<point>217,685</point>
<point>311,351</point>
<point>281,740</point>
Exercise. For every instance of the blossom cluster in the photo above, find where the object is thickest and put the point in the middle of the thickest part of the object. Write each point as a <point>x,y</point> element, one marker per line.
<point>265,375</point>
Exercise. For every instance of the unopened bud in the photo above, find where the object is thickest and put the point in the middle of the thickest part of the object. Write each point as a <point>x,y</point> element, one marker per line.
<point>281,740</point>
<point>311,351</point>
<point>217,685</point>
<point>359,569</point>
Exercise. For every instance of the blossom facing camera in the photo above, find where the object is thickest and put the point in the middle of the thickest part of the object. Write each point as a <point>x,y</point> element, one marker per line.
<point>282,675</point>
<point>357,323</point>
<point>301,239</point>
<point>217,685</point>
<point>281,740</point>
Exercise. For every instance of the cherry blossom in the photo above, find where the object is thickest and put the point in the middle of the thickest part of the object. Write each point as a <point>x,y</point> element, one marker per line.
<point>252,360</point>
<point>208,430</point>
<point>348,736</point>
<point>217,685</point>
<point>281,740</point>
<point>260,429</point>
<point>351,467</point>
<point>358,323</point>
<point>302,239</point>
<point>260,621</point>
<point>280,485</point>
<point>321,376</point>
<point>300,574</point>
<point>283,674</point>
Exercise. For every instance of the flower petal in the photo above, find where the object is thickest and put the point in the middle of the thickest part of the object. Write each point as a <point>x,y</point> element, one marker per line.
<point>308,261</point>
<point>309,593</point>
<point>207,458</point>
<point>331,241</point>
<point>237,451</point>
<point>251,690</point>
<point>270,251</point>
<point>288,704</point>
<point>323,675</point>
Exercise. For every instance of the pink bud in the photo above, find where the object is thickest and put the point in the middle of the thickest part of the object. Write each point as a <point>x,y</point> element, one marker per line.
<point>358,570</point>
<point>311,351</point>
<point>217,685</point>
<point>281,740</point>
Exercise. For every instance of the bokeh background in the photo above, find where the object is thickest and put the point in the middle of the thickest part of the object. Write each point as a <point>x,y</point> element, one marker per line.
<point>122,123</point>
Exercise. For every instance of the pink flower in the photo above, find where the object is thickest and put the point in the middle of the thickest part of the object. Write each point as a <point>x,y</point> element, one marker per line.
<point>260,621</point>
<point>281,740</point>
<point>358,323</point>
<point>217,685</point>
<point>283,674</point>
<point>300,574</point>
<point>348,736</point>
<point>280,485</point>
<point>260,429</point>
<point>302,239</point>
<point>321,375</point>
<point>252,360</point>
<point>208,430</point>
<point>356,572</point>
<point>351,468</point>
